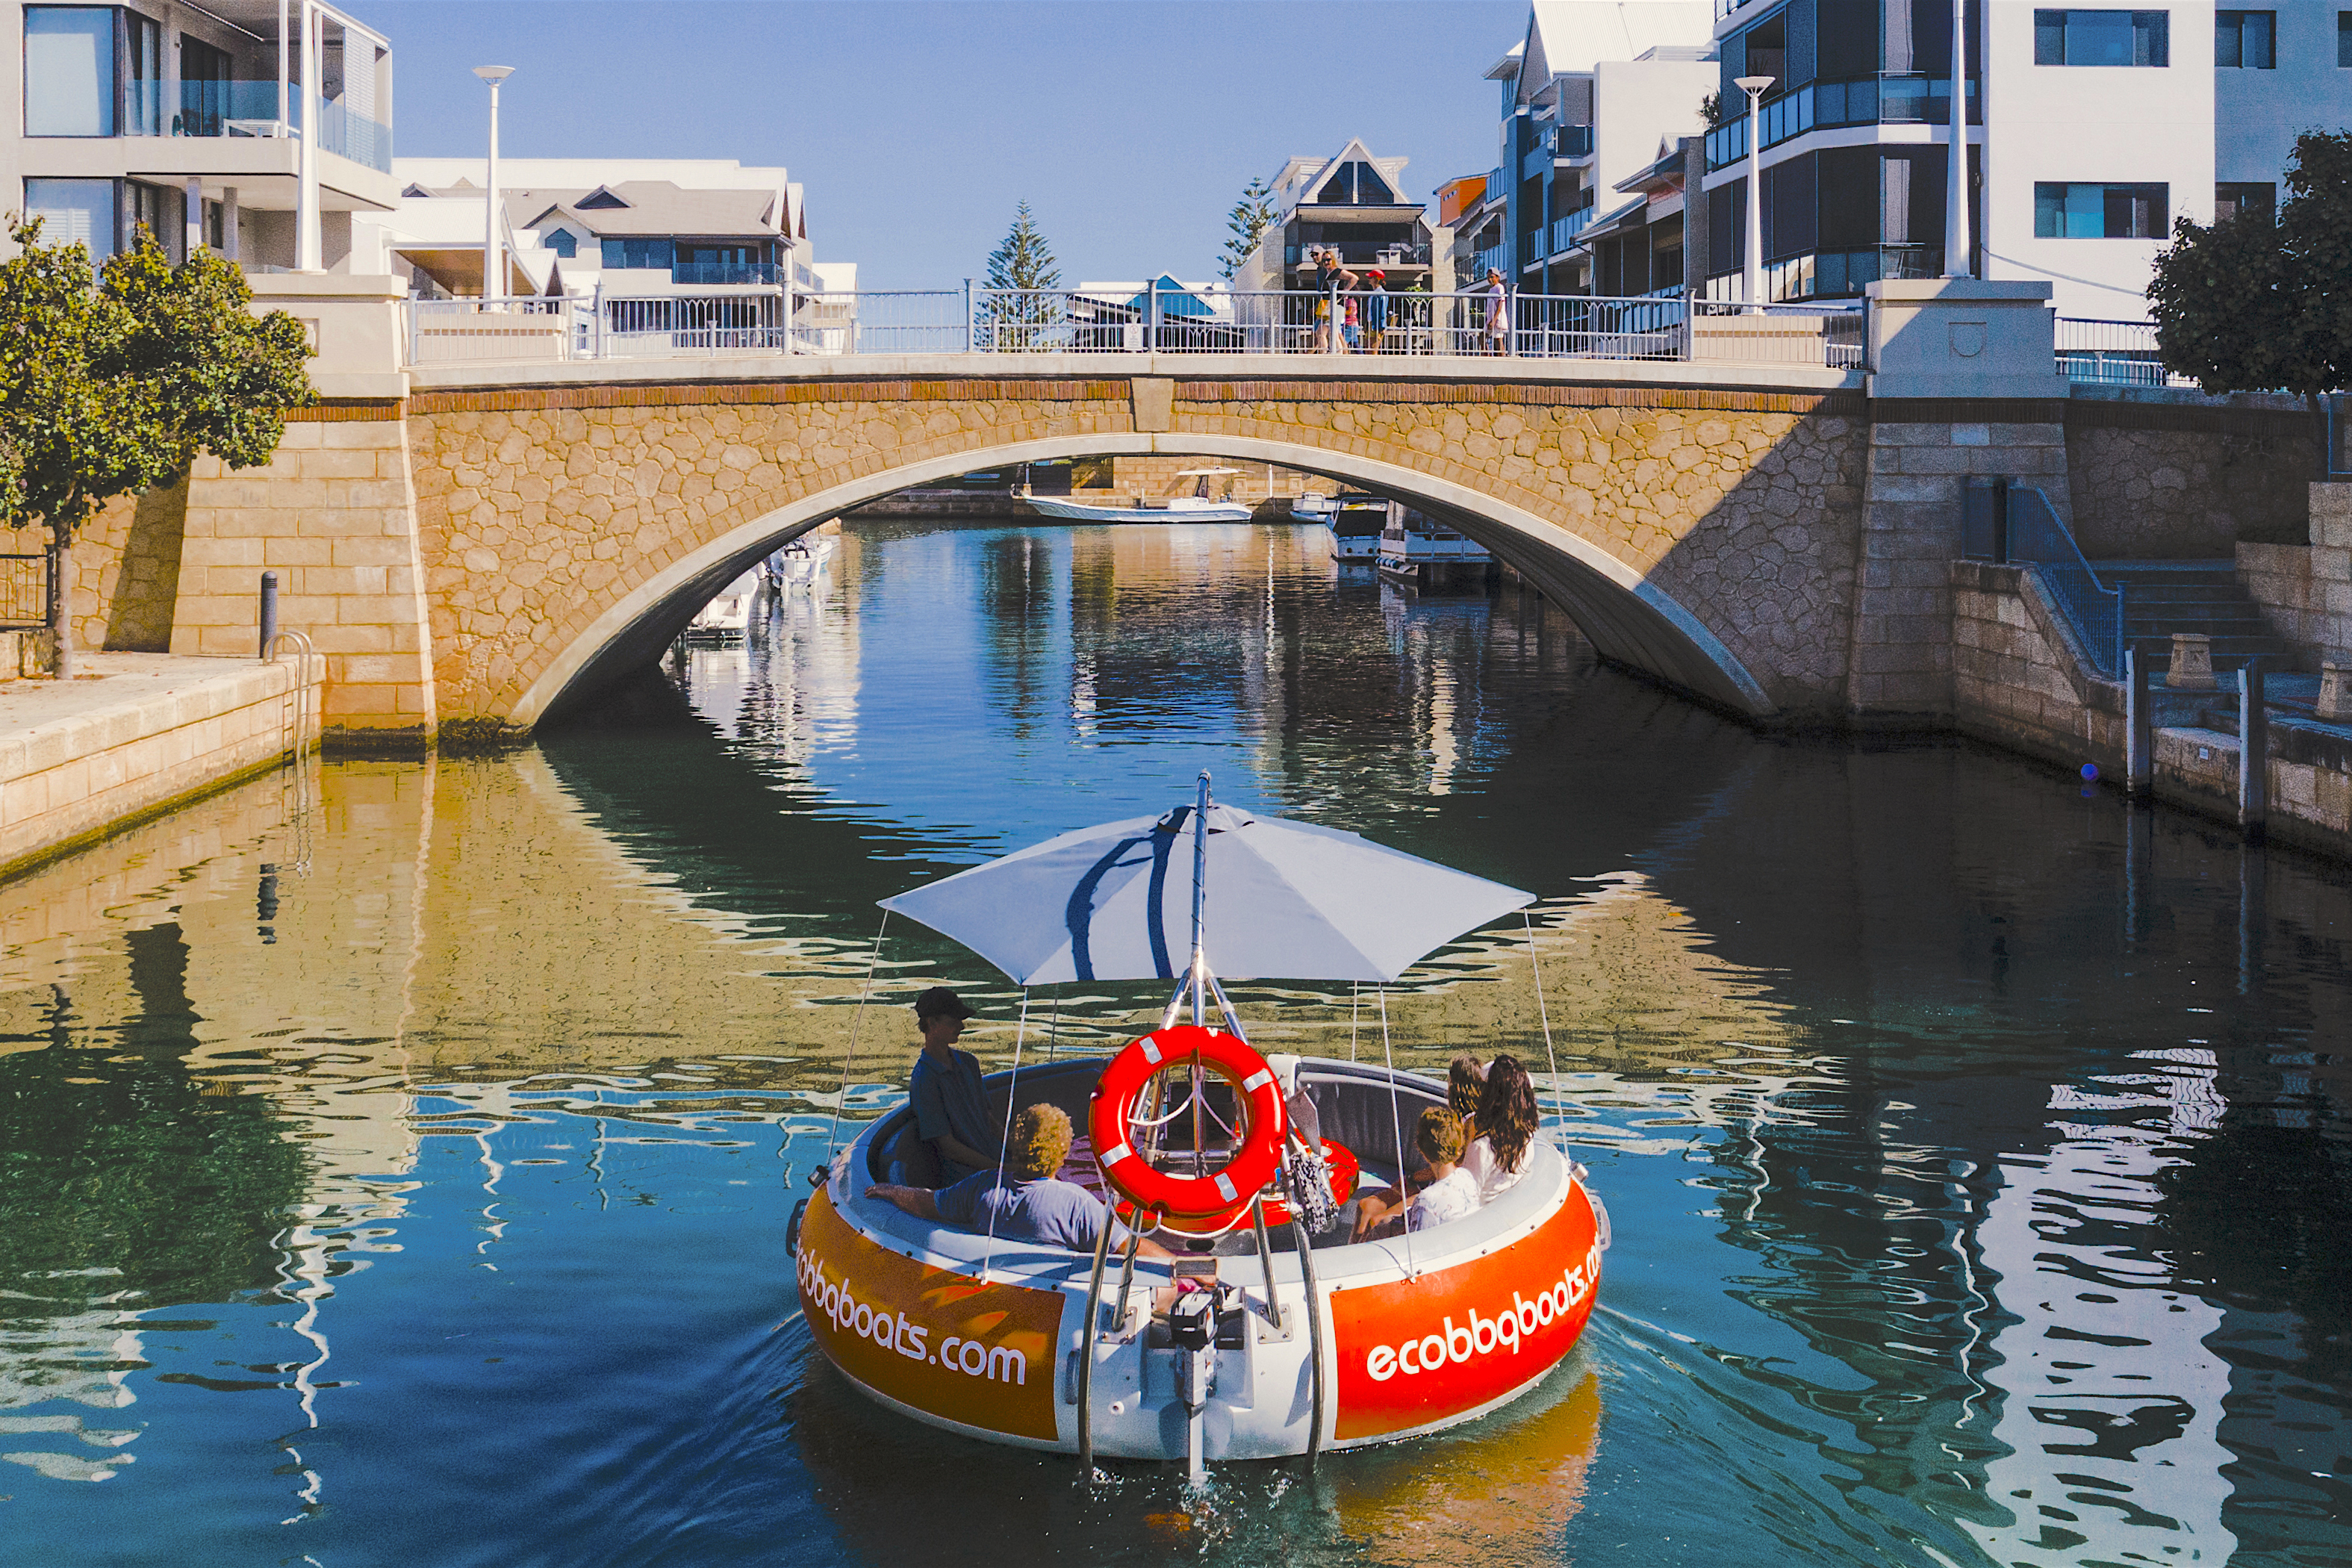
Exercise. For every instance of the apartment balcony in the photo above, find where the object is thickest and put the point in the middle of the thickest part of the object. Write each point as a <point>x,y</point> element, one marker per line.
<point>701,274</point>
<point>1861,101</point>
<point>209,109</point>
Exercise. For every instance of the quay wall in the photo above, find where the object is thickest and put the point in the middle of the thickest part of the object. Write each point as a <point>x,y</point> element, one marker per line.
<point>2305,590</point>
<point>76,762</point>
<point>2176,476</point>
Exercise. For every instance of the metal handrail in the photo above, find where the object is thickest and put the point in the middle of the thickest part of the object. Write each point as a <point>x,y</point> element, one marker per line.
<point>2034,536</point>
<point>299,730</point>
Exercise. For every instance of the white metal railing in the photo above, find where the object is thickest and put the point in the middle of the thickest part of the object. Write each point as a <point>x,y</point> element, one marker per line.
<point>1007,321</point>
<point>2112,353</point>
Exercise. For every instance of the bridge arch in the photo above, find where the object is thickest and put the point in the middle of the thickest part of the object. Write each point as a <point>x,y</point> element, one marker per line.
<point>1629,618</point>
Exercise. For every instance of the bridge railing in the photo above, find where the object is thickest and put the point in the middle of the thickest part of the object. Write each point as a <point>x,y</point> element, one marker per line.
<point>2112,353</point>
<point>1152,320</point>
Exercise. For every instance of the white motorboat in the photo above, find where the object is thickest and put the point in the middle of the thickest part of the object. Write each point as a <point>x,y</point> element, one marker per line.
<point>1356,523</point>
<point>1424,553</point>
<point>727,616</point>
<point>1312,506</point>
<point>799,564</point>
<point>1195,508</point>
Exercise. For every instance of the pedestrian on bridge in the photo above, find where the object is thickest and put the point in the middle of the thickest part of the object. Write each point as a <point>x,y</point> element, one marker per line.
<point>1499,312</point>
<point>1376,309</point>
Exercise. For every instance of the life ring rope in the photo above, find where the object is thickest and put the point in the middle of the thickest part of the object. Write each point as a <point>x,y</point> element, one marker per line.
<point>1256,1156</point>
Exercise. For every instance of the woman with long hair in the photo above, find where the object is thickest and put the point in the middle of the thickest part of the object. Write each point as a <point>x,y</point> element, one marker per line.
<point>1507,1118</point>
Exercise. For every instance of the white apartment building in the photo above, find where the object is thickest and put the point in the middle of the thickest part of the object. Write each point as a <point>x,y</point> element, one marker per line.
<point>2091,130</point>
<point>191,120</point>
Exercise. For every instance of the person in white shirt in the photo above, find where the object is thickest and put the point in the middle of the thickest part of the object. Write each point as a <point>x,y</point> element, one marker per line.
<point>1450,1193</point>
<point>1497,1157</point>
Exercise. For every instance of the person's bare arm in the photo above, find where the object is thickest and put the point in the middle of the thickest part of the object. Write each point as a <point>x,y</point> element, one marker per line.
<point>917,1200</point>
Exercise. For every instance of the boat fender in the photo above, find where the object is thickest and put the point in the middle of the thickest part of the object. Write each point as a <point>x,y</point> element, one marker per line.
<point>1257,1156</point>
<point>792,1229</point>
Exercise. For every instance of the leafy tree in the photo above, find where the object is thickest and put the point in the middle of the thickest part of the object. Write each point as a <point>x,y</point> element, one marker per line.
<point>1250,217</point>
<point>1022,278</point>
<point>110,385</point>
<point>2253,305</point>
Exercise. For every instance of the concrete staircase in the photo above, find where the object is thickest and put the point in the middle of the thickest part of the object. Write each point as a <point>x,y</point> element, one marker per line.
<point>2168,596</point>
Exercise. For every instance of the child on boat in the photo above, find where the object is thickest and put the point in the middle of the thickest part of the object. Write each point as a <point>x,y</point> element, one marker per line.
<point>1450,1193</point>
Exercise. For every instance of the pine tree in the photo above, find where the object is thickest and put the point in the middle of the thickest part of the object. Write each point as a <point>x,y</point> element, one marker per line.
<point>1250,217</point>
<point>1022,305</point>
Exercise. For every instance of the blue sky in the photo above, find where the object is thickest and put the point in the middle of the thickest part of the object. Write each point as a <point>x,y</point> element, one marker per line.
<point>1129,127</point>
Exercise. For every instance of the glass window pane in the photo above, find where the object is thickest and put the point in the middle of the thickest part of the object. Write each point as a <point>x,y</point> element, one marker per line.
<point>2261,40</point>
<point>68,70</point>
<point>2049,210</point>
<point>2151,37</point>
<point>2344,38</point>
<point>2050,37</point>
<point>1370,189</point>
<point>142,113</point>
<point>74,210</point>
<point>2098,37</point>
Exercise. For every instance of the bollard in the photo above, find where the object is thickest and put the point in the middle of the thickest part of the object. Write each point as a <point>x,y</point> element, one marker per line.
<point>269,611</point>
<point>2139,724</point>
<point>2253,752</point>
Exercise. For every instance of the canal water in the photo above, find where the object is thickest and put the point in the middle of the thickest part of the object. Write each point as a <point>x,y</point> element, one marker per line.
<point>394,1157</point>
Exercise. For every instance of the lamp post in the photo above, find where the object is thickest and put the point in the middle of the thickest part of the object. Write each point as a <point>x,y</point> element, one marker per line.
<point>493,254</point>
<point>1754,86</point>
<point>1957,242</point>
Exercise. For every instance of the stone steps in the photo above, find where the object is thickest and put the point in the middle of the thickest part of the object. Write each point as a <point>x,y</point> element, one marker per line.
<point>2168,597</point>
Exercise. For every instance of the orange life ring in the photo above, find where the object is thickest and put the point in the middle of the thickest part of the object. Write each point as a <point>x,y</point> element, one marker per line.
<point>1255,1160</point>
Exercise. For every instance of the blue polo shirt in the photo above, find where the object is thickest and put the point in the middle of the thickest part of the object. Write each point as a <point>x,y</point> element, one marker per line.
<point>1048,1210</point>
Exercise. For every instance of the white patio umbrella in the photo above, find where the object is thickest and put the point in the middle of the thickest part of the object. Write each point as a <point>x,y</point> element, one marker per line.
<point>1284,901</point>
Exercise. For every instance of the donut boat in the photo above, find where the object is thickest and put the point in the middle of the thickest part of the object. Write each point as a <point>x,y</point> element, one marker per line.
<point>1284,1341</point>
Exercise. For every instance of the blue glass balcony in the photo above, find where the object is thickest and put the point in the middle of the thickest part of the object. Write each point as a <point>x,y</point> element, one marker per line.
<point>1864,100</point>
<point>250,108</point>
<point>722,272</point>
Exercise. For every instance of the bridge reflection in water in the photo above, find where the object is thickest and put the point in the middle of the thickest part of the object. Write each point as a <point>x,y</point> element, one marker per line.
<point>407,1180</point>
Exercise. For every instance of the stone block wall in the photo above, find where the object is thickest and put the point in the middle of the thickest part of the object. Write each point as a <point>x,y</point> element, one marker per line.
<point>125,572</point>
<point>2169,478</point>
<point>332,515</point>
<point>2305,590</point>
<point>1900,668</point>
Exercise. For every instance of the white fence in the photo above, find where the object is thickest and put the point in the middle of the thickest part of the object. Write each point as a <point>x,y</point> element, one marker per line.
<point>1004,321</point>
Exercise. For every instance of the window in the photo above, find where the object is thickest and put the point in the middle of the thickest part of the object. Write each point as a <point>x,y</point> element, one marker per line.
<point>2101,211</point>
<point>2246,39</point>
<point>562,242</point>
<point>143,86</point>
<point>74,211</point>
<point>1355,185</point>
<point>68,70</point>
<point>2343,40</point>
<point>2253,199</point>
<point>2101,38</point>
<point>205,75</point>
<point>658,254</point>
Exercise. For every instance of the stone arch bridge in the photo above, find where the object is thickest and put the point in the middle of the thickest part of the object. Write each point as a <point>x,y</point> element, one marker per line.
<point>494,544</point>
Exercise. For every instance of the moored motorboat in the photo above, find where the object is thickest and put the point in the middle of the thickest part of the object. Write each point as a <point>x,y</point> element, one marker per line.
<point>1357,524</point>
<point>1197,507</point>
<point>729,614</point>
<point>1290,1338</point>
<point>799,564</point>
<point>1423,553</point>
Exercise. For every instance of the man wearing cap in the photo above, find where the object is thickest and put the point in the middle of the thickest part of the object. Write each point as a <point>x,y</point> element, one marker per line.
<point>950,1111</point>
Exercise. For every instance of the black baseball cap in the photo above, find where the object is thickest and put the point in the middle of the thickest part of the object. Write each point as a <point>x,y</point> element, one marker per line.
<point>939,1002</point>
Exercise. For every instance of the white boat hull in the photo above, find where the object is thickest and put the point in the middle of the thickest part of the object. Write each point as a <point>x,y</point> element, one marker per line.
<point>1182,510</point>
<point>1501,1296</point>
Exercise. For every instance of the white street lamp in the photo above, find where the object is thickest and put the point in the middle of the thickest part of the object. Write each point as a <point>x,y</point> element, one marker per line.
<point>494,261</point>
<point>1956,244</point>
<point>1754,86</point>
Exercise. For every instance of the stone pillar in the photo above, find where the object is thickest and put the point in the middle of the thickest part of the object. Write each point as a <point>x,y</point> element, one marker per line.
<point>2193,663</point>
<point>333,513</point>
<point>2335,703</point>
<point>1963,382</point>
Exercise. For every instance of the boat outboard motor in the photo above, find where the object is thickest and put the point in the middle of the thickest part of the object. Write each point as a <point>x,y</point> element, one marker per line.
<point>1193,1331</point>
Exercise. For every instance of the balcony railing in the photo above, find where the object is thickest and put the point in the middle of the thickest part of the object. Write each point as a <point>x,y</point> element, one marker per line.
<point>250,108</point>
<point>999,322</point>
<point>1861,100</point>
<point>713,274</point>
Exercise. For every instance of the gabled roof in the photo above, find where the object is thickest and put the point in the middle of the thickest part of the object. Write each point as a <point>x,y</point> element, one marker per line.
<point>640,207</point>
<point>604,198</point>
<point>1567,36</point>
<point>1302,178</point>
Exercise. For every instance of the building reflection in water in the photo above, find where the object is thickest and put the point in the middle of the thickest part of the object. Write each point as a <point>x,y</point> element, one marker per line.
<point>1929,1142</point>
